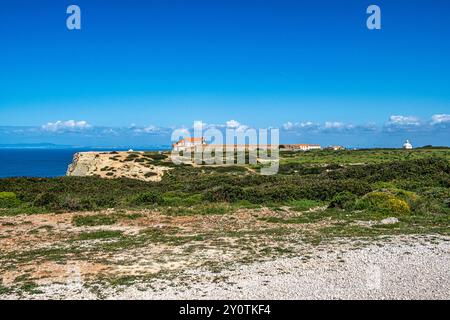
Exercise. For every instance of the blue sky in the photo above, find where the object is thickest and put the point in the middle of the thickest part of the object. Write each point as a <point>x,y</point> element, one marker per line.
<point>311,68</point>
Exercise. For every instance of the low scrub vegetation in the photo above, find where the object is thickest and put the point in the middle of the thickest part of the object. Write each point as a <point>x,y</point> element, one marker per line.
<point>383,202</point>
<point>8,200</point>
<point>411,186</point>
<point>94,220</point>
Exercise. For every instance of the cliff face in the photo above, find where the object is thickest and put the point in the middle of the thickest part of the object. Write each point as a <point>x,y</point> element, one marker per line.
<point>111,165</point>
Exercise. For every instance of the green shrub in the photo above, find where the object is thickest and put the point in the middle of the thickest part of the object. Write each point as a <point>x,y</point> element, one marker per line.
<point>215,209</point>
<point>181,199</point>
<point>150,174</point>
<point>230,169</point>
<point>343,200</point>
<point>225,193</point>
<point>8,200</point>
<point>407,196</point>
<point>64,202</point>
<point>155,156</point>
<point>148,198</point>
<point>75,204</point>
<point>304,204</point>
<point>434,200</point>
<point>383,185</point>
<point>104,201</point>
<point>299,169</point>
<point>46,199</point>
<point>383,201</point>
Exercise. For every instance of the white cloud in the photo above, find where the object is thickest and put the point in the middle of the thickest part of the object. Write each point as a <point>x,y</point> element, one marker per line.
<point>440,119</point>
<point>242,128</point>
<point>404,120</point>
<point>327,127</point>
<point>398,123</point>
<point>70,125</point>
<point>151,129</point>
<point>288,126</point>
<point>334,125</point>
<point>308,125</point>
<point>233,124</point>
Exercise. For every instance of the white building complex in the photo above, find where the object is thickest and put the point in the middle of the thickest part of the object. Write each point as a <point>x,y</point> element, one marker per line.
<point>302,147</point>
<point>189,144</point>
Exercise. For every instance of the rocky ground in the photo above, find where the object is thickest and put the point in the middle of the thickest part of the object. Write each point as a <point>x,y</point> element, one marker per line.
<point>401,268</point>
<point>151,255</point>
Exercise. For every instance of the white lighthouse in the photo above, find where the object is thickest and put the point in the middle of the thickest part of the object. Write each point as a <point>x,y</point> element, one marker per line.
<point>407,145</point>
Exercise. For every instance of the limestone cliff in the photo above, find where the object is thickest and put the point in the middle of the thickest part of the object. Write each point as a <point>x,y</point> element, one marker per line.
<point>134,165</point>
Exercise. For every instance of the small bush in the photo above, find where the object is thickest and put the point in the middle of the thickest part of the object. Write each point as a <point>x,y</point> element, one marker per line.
<point>215,209</point>
<point>383,185</point>
<point>343,200</point>
<point>46,199</point>
<point>155,156</point>
<point>383,201</point>
<point>435,200</point>
<point>304,204</point>
<point>407,196</point>
<point>181,199</point>
<point>150,174</point>
<point>75,204</point>
<point>149,197</point>
<point>224,193</point>
<point>8,200</point>
<point>398,206</point>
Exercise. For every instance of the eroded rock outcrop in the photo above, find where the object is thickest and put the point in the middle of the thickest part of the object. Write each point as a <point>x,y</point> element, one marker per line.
<point>112,165</point>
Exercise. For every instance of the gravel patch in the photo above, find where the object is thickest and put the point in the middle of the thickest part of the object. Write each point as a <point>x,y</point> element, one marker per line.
<point>403,267</point>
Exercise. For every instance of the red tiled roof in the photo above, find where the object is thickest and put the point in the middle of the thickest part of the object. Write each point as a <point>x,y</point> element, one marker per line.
<point>194,139</point>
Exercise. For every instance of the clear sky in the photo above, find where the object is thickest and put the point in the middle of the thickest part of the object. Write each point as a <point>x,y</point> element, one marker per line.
<point>280,63</point>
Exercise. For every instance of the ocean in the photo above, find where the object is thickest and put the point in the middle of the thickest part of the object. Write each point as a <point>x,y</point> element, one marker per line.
<point>37,162</point>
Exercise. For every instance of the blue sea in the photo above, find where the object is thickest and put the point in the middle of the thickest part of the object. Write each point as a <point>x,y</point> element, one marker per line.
<point>36,162</point>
